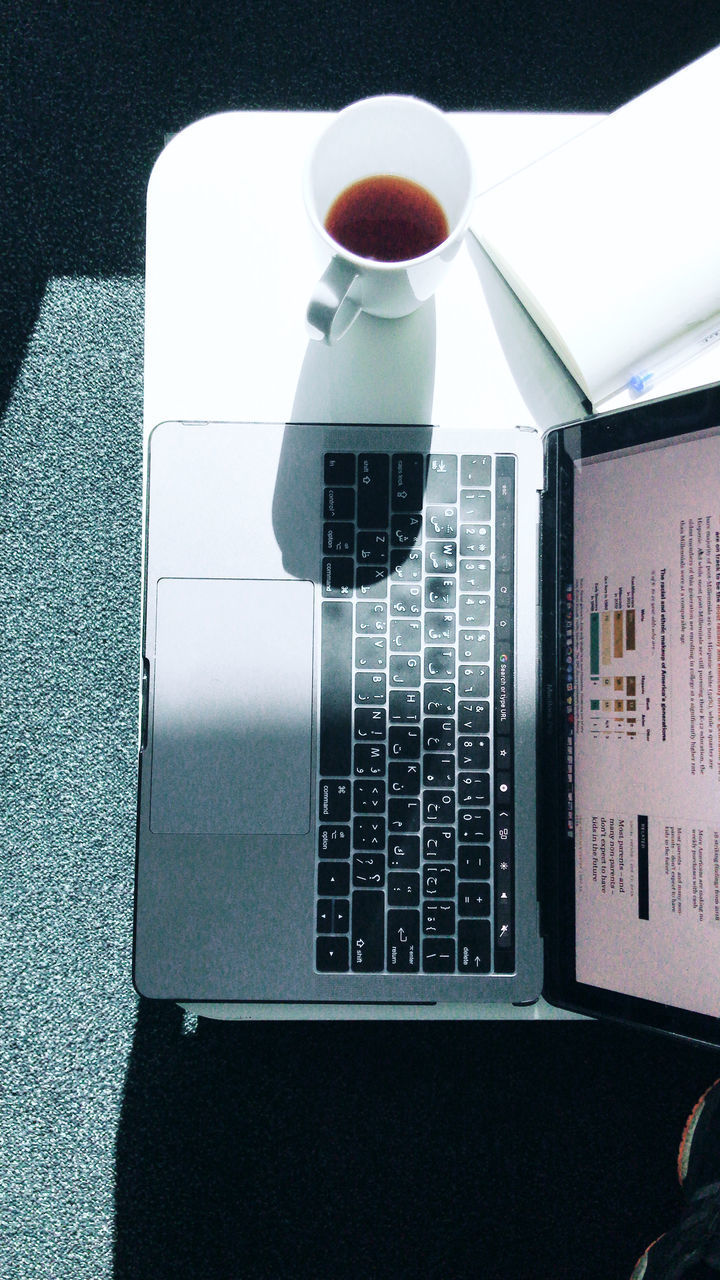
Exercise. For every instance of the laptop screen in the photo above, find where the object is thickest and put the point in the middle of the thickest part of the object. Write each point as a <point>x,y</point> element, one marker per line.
<point>647,720</point>
<point>639,657</point>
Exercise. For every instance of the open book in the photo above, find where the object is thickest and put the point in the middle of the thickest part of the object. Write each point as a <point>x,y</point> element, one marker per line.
<point>612,241</point>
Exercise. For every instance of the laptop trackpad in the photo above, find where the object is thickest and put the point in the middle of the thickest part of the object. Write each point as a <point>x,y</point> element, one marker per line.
<point>232,708</point>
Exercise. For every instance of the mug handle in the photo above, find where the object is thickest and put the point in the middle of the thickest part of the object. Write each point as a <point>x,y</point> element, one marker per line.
<point>331,310</point>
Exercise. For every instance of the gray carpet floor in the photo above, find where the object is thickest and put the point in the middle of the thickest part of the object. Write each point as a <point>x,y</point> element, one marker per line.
<point>70,495</point>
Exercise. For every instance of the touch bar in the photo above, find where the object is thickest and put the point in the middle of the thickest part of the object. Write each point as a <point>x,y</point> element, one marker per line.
<point>504,745</point>
<point>336,688</point>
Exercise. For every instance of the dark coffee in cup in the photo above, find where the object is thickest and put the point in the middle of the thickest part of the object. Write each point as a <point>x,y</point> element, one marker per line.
<point>387,219</point>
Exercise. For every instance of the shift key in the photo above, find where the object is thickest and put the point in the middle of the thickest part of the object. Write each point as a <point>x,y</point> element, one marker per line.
<point>367,948</point>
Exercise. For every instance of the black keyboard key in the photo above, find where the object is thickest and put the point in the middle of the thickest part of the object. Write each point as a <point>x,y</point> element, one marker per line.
<point>474,861</point>
<point>370,653</point>
<point>438,770</point>
<point>439,918</point>
<point>474,611</point>
<point>404,778</point>
<point>440,557</point>
<point>474,899</point>
<point>369,834</point>
<point>439,664</point>
<point>405,529</point>
<point>474,717</point>
<point>439,806</point>
<point>371,581</point>
<point>474,682</point>
<point>474,646</point>
<point>476,469</point>
<point>442,522</point>
<point>368,870</point>
<point>405,635</point>
<point>404,742</point>
<point>438,844</point>
<point>324,916</point>
<point>404,706</point>
<point>336,688</point>
<point>438,880</point>
<point>474,575</point>
<point>439,699</point>
<point>474,946</point>
<point>473,789</point>
<point>475,540</point>
<point>403,941</point>
<point>439,735</point>
<point>371,617</point>
<point>339,468</point>
<point>441,483</point>
<point>405,671</point>
<point>338,539</point>
<point>404,813</point>
<point>369,795</point>
<point>403,852</point>
<point>332,955</point>
<point>406,566</point>
<point>370,723</point>
<point>439,628</point>
<point>370,688</point>
<point>341,915</point>
<point>373,485</point>
<point>370,759</point>
<point>338,576</point>
<point>474,826</point>
<point>439,955</point>
<point>333,915</point>
<point>405,600</point>
<point>408,481</point>
<point>404,889</point>
<point>372,548</point>
<point>367,943</point>
<point>339,504</point>
<point>334,800</point>
<point>333,879</point>
<point>440,593</point>
<point>473,753</point>
<point>474,505</point>
<point>334,840</point>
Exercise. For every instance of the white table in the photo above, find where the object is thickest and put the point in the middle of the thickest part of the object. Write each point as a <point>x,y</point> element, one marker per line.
<point>229,270</point>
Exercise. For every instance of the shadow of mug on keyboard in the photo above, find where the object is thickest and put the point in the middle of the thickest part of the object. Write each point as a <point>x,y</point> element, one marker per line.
<point>383,371</point>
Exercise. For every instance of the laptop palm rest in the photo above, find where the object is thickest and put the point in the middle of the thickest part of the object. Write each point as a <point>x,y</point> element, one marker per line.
<point>232,707</point>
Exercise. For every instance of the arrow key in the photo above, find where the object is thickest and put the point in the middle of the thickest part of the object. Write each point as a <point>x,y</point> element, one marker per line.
<point>332,955</point>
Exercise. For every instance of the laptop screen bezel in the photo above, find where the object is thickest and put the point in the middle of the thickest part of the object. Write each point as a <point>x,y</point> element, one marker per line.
<point>631,427</point>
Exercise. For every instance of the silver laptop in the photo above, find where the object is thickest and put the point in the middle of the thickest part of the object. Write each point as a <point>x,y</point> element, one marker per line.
<point>432,716</point>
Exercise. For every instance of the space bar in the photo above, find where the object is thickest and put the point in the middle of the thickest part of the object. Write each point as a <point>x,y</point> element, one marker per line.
<point>336,688</point>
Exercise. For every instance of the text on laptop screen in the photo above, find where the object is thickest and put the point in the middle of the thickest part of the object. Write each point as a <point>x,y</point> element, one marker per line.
<point>646,657</point>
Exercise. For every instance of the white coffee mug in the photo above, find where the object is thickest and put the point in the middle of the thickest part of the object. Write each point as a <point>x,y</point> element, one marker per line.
<point>388,135</point>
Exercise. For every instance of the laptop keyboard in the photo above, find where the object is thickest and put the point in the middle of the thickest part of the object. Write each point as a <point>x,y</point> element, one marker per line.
<point>415,867</point>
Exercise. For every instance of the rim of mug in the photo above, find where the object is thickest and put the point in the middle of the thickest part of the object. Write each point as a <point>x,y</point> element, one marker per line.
<point>378,263</point>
